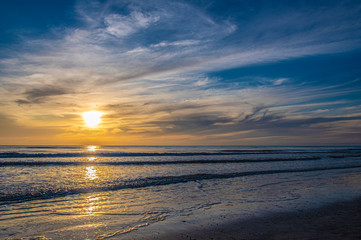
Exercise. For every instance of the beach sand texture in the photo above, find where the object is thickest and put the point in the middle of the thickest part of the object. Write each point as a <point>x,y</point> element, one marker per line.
<point>336,221</point>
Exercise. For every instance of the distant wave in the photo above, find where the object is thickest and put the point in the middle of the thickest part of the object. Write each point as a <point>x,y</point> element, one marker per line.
<point>154,181</point>
<point>344,152</point>
<point>161,162</point>
<point>108,154</point>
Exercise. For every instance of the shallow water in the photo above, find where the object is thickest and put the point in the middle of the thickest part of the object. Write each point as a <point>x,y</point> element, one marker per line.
<point>94,192</point>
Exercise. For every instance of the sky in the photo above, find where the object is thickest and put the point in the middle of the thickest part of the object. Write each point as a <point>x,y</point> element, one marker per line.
<point>201,72</point>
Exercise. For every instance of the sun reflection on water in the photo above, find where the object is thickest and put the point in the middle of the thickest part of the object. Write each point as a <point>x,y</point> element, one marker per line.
<point>92,148</point>
<point>91,173</point>
<point>91,205</point>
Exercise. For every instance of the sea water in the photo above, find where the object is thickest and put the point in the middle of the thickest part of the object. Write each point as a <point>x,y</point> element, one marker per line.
<point>101,192</point>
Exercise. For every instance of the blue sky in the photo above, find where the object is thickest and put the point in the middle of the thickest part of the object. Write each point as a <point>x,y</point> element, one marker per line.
<point>181,72</point>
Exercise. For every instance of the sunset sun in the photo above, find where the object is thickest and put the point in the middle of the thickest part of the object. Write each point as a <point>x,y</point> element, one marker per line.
<point>92,119</point>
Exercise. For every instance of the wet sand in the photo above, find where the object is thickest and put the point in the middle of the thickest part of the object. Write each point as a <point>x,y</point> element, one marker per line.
<point>335,221</point>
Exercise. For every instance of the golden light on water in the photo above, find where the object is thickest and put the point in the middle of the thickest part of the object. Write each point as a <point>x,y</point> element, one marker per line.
<point>92,118</point>
<point>91,206</point>
<point>92,202</point>
<point>91,173</point>
<point>92,148</point>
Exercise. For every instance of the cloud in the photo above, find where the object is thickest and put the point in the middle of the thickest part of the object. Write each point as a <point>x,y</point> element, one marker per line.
<point>162,38</point>
<point>204,124</point>
<point>121,26</point>
<point>176,43</point>
<point>280,81</point>
<point>149,65</point>
<point>38,95</point>
<point>44,91</point>
<point>22,101</point>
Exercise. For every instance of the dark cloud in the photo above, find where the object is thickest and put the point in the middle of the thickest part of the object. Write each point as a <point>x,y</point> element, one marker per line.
<point>178,107</point>
<point>38,95</point>
<point>193,123</point>
<point>296,124</point>
<point>22,101</point>
<point>256,110</point>
<point>46,91</point>
<point>264,123</point>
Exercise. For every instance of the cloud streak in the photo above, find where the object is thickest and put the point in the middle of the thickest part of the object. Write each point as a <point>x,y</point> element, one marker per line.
<point>38,95</point>
<point>150,66</point>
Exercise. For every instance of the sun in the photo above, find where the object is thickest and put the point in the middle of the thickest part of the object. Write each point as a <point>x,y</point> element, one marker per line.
<point>92,118</point>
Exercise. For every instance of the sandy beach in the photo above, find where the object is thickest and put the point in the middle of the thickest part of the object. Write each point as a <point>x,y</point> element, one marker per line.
<point>335,221</point>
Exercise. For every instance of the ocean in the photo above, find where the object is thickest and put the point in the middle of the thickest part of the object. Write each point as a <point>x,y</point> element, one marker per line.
<point>118,192</point>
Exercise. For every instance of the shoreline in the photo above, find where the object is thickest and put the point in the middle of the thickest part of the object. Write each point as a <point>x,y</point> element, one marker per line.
<point>341,220</point>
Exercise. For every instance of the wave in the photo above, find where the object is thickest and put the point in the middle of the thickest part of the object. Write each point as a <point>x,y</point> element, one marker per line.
<point>108,154</point>
<point>355,152</point>
<point>155,181</point>
<point>164,162</point>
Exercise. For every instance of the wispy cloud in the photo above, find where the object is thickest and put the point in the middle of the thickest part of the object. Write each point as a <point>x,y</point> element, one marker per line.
<point>37,95</point>
<point>122,26</point>
<point>165,38</point>
<point>148,65</point>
